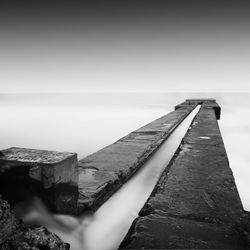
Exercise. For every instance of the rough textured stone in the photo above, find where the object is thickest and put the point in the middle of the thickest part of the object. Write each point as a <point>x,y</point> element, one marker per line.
<point>35,156</point>
<point>49,174</point>
<point>16,236</point>
<point>37,238</point>
<point>103,172</point>
<point>8,222</point>
<point>195,204</point>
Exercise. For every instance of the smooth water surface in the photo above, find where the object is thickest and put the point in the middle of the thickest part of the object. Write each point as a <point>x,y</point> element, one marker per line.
<point>85,123</point>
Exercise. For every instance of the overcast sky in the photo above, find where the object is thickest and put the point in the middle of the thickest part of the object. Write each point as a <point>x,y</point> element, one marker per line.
<point>134,46</point>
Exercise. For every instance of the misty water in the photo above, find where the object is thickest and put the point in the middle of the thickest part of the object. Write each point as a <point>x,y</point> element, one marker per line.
<point>85,123</point>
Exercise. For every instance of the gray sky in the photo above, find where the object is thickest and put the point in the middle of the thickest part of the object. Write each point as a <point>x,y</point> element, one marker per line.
<point>135,47</point>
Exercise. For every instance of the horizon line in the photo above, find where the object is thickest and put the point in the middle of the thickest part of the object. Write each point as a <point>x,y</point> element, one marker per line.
<point>122,92</point>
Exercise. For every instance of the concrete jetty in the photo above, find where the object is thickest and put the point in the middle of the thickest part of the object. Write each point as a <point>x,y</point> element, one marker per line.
<point>195,204</point>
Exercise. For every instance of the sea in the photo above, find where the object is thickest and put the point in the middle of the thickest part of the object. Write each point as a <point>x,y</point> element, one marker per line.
<point>86,122</point>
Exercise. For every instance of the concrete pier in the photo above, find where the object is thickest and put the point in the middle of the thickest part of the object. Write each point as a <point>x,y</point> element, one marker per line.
<point>195,204</point>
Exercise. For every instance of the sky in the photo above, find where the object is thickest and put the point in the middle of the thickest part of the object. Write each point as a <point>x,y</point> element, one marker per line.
<point>124,46</point>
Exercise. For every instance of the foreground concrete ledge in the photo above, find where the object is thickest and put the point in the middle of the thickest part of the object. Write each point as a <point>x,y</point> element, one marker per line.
<point>49,174</point>
<point>195,204</point>
<point>103,172</point>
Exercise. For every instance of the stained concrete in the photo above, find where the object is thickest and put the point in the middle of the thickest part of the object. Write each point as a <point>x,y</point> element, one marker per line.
<point>195,204</point>
<point>103,172</point>
<point>49,174</point>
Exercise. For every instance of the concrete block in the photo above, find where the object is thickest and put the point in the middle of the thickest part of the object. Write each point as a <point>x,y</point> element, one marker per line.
<point>51,175</point>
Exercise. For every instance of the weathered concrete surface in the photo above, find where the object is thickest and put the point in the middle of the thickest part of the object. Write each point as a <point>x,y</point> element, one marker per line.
<point>208,103</point>
<point>52,175</point>
<point>103,172</point>
<point>16,236</point>
<point>195,204</point>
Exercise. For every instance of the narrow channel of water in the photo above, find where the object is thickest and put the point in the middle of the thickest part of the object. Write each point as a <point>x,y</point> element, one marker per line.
<point>113,219</point>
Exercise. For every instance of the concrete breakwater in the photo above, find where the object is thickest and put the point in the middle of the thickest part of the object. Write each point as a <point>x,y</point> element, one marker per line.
<point>194,205</point>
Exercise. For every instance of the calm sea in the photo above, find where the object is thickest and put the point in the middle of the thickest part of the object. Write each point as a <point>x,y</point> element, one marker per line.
<point>85,123</point>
